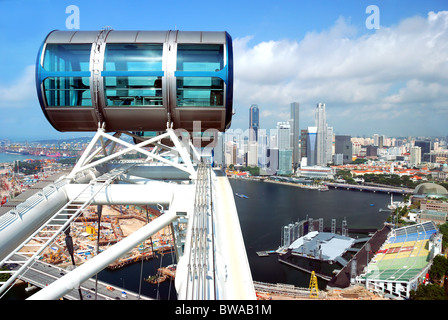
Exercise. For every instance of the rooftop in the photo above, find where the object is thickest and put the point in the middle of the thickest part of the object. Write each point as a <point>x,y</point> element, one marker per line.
<point>432,189</point>
<point>331,245</point>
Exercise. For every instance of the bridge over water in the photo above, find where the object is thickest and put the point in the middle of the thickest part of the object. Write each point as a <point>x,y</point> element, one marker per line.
<point>401,191</point>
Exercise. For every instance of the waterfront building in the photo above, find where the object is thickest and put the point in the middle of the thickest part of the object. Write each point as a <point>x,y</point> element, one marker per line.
<point>321,138</point>
<point>283,135</point>
<point>295,134</point>
<point>316,172</point>
<point>311,145</point>
<point>272,162</point>
<point>252,154</point>
<point>330,145</point>
<point>303,138</point>
<point>343,145</point>
<point>285,162</point>
<point>262,146</point>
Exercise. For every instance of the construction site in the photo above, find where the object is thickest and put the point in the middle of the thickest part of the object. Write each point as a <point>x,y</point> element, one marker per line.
<point>91,236</point>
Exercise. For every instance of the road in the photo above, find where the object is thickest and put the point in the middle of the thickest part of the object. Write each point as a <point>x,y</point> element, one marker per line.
<point>41,274</point>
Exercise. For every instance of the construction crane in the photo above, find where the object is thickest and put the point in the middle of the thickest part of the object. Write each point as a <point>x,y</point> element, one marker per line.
<point>314,290</point>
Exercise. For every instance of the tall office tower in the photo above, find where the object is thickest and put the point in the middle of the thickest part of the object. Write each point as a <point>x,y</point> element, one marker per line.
<point>381,142</point>
<point>311,146</point>
<point>329,147</point>
<point>425,146</point>
<point>376,138</point>
<point>416,155</point>
<point>322,131</point>
<point>254,122</point>
<point>343,145</point>
<point>283,135</point>
<point>262,146</point>
<point>284,148</point>
<point>303,138</point>
<point>295,134</point>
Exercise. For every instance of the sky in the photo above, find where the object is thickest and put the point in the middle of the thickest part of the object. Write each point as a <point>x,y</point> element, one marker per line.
<point>383,71</point>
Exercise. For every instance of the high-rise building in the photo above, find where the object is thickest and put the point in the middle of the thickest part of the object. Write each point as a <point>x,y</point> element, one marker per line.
<point>311,146</point>
<point>329,147</point>
<point>254,122</point>
<point>425,146</point>
<point>415,156</point>
<point>295,134</point>
<point>284,148</point>
<point>376,138</point>
<point>322,143</point>
<point>284,162</point>
<point>283,135</point>
<point>303,138</point>
<point>343,145</point>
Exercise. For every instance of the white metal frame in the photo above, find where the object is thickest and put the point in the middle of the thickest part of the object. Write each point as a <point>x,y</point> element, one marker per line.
<point>87,159</point>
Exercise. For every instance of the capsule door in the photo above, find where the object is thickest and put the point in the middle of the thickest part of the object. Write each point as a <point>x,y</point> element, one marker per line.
<point>134,84</point>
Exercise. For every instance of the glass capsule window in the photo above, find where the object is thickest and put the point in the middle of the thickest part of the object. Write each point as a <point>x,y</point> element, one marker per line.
<point>130,74</point>
<point>200,91</point>
<point>194,88</point>
<point>133,57</point>
<point>67,57</point>
<point>67,91</point>
<point>200,57</point>
<point>133,91</point>
<point>70,89</point>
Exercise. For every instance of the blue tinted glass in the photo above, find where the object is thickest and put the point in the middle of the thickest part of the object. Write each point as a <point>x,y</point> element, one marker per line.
<point>200,91</point>
<point>133,91</point>
<point>67,91</point>
<point>133,57</point>
<point>200,57</point>
<point>67,57</point>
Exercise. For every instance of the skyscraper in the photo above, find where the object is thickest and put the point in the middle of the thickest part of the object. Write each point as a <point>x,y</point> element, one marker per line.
<point>283,135</point>
<point>284,148</point>
<point>254,122</point>
<point>311,146</point>
<point>343,145</point>
<point>322,148</point>
<point>425,146</point>
<point>295,134</point>
<point>415,156</point>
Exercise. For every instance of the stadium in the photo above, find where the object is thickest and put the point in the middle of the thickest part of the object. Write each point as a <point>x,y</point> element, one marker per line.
<point>403,261</point>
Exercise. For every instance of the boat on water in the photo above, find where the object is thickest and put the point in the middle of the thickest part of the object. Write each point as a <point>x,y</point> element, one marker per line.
<point>324,188</point>
<point>241,195</point>
<point>19,152</point>
<point>54,155</point>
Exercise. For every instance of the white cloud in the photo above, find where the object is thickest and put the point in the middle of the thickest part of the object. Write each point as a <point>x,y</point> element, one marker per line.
<point>386,75</point>
<point>20,92</point>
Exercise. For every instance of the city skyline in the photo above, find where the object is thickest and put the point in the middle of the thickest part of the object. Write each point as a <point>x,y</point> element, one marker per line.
<point>389,80</point>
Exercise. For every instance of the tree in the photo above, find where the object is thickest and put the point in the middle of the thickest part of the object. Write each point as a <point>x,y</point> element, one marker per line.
<point>439,268</point>
<point>428,292</point>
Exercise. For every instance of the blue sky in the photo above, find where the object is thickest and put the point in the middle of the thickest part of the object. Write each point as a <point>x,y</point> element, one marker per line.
<point>391,80</point>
